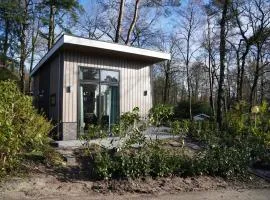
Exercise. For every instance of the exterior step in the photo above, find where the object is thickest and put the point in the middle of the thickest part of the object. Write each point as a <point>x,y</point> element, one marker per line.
<point>68,156</point>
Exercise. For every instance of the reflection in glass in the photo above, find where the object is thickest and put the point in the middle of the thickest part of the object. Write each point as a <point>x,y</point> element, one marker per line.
<point>99,98</point>
<point>89,105</point>
<point>109,76</point>
<point>90,74</point>
<point>109,104</point>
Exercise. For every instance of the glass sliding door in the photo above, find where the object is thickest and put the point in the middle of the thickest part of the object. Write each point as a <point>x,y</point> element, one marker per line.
<point>98,97</point>
<point>88,105</point>
<point>109,96</point>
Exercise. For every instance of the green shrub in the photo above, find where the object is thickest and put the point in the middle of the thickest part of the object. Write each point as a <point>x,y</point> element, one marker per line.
<point>22,129</point>
<point>203,131</point>
<point>131,163</point>
<point>226,153</point>
<point>128,121</point>
<point>225,161</point>
<point>103,165</point>
<point>94,132</point>
<point>149,160</point>
<point>160,114</point>
<point>244,140</point>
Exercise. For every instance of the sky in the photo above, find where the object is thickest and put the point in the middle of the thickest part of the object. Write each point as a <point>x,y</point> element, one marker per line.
<point>166,22</point>
<point>90,4</point>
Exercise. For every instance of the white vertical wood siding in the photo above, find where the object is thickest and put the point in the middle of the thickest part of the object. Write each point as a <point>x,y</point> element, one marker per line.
<point>134,80</point>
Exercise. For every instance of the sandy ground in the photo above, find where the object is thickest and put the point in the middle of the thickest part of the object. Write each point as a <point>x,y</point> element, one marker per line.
<point>51,186</point>
<point>250,194</point>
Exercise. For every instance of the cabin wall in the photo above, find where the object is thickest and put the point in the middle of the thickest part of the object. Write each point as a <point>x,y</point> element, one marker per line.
<point>42,89</point>
<point>54,88</point>
<point>35,89</point>
<point>46,84</point>
<point>135,78</point>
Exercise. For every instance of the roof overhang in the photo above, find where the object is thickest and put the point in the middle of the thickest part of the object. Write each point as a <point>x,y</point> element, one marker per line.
<point>103,48</point>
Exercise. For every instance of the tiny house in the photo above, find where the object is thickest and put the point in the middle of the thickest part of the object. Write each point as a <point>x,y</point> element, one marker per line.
<point>80,82</point>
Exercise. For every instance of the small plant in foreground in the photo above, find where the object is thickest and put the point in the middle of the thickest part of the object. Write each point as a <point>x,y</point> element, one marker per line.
<point>160,114</point>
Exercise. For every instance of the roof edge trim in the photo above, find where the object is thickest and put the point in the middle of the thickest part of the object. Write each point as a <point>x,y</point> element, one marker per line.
<point>55,47</point>
<point>74,40</point>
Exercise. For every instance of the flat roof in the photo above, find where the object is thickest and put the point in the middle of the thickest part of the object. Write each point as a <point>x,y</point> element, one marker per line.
<point>104,47</point>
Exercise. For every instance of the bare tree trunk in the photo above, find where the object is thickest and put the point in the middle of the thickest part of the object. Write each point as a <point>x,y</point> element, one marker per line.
<point>31,68</point>
<point>166,86</point>
<point>211,98</point>
<point>242,72</point>
<point>22,67</point>
<point>119,22</point>
<point>132,25</point>
<point>189,90</point>
<point>262,89</point>
<point>256,77</point>
<point>33,48</point>
<point>222,50</point>
<point>211,80</point>
<point>22,39</point>
<point>238,87</point>
<point>196,90</point>
<point>5,45</point>
<point>51,26</point>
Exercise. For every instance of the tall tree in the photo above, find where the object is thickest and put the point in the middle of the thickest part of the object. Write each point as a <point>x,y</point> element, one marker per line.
<point>119,21</point>
<point>113,23</point>
<point>8,16</point>
<point>23,25</point>
<point>244,45</point>
<point>189,26</point>
<point>61,13</point>
<point>210,45</point>
<point>134,19</point>
<point>260,21</point>
<point>169,69</point>
<point>35,26</point>
<point>222,51</point>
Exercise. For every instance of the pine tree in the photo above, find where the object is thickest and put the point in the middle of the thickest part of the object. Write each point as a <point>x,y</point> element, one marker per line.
<point>53,14</point>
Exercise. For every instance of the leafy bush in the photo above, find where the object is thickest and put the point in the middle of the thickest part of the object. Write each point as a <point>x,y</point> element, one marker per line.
<point>226,153</point>
<point>225,161</point>
<point>103,165</point>
<point>203,131</point>
<point>22,129</point>
<point>137,162</point>
<point>93,132</point>
<point>156,161</point>
<point>244,140</point>
<point>131,163</point>
<point>160,114</point>
<point>128,121</point>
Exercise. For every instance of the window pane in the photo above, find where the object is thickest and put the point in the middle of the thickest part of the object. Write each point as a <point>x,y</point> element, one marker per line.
<point>109,76</point>
<point>89,74</point>
<point>109,104</point>
<point>89,105</point>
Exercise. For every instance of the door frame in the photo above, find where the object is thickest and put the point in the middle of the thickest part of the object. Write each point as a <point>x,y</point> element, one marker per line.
<point>99,86</point>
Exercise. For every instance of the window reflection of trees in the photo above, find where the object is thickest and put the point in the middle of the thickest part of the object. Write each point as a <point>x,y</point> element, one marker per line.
<point>99,97</point>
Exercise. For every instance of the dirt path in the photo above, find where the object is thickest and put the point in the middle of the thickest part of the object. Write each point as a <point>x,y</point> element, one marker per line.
<point>52,186</point>
<point>251,194</point>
